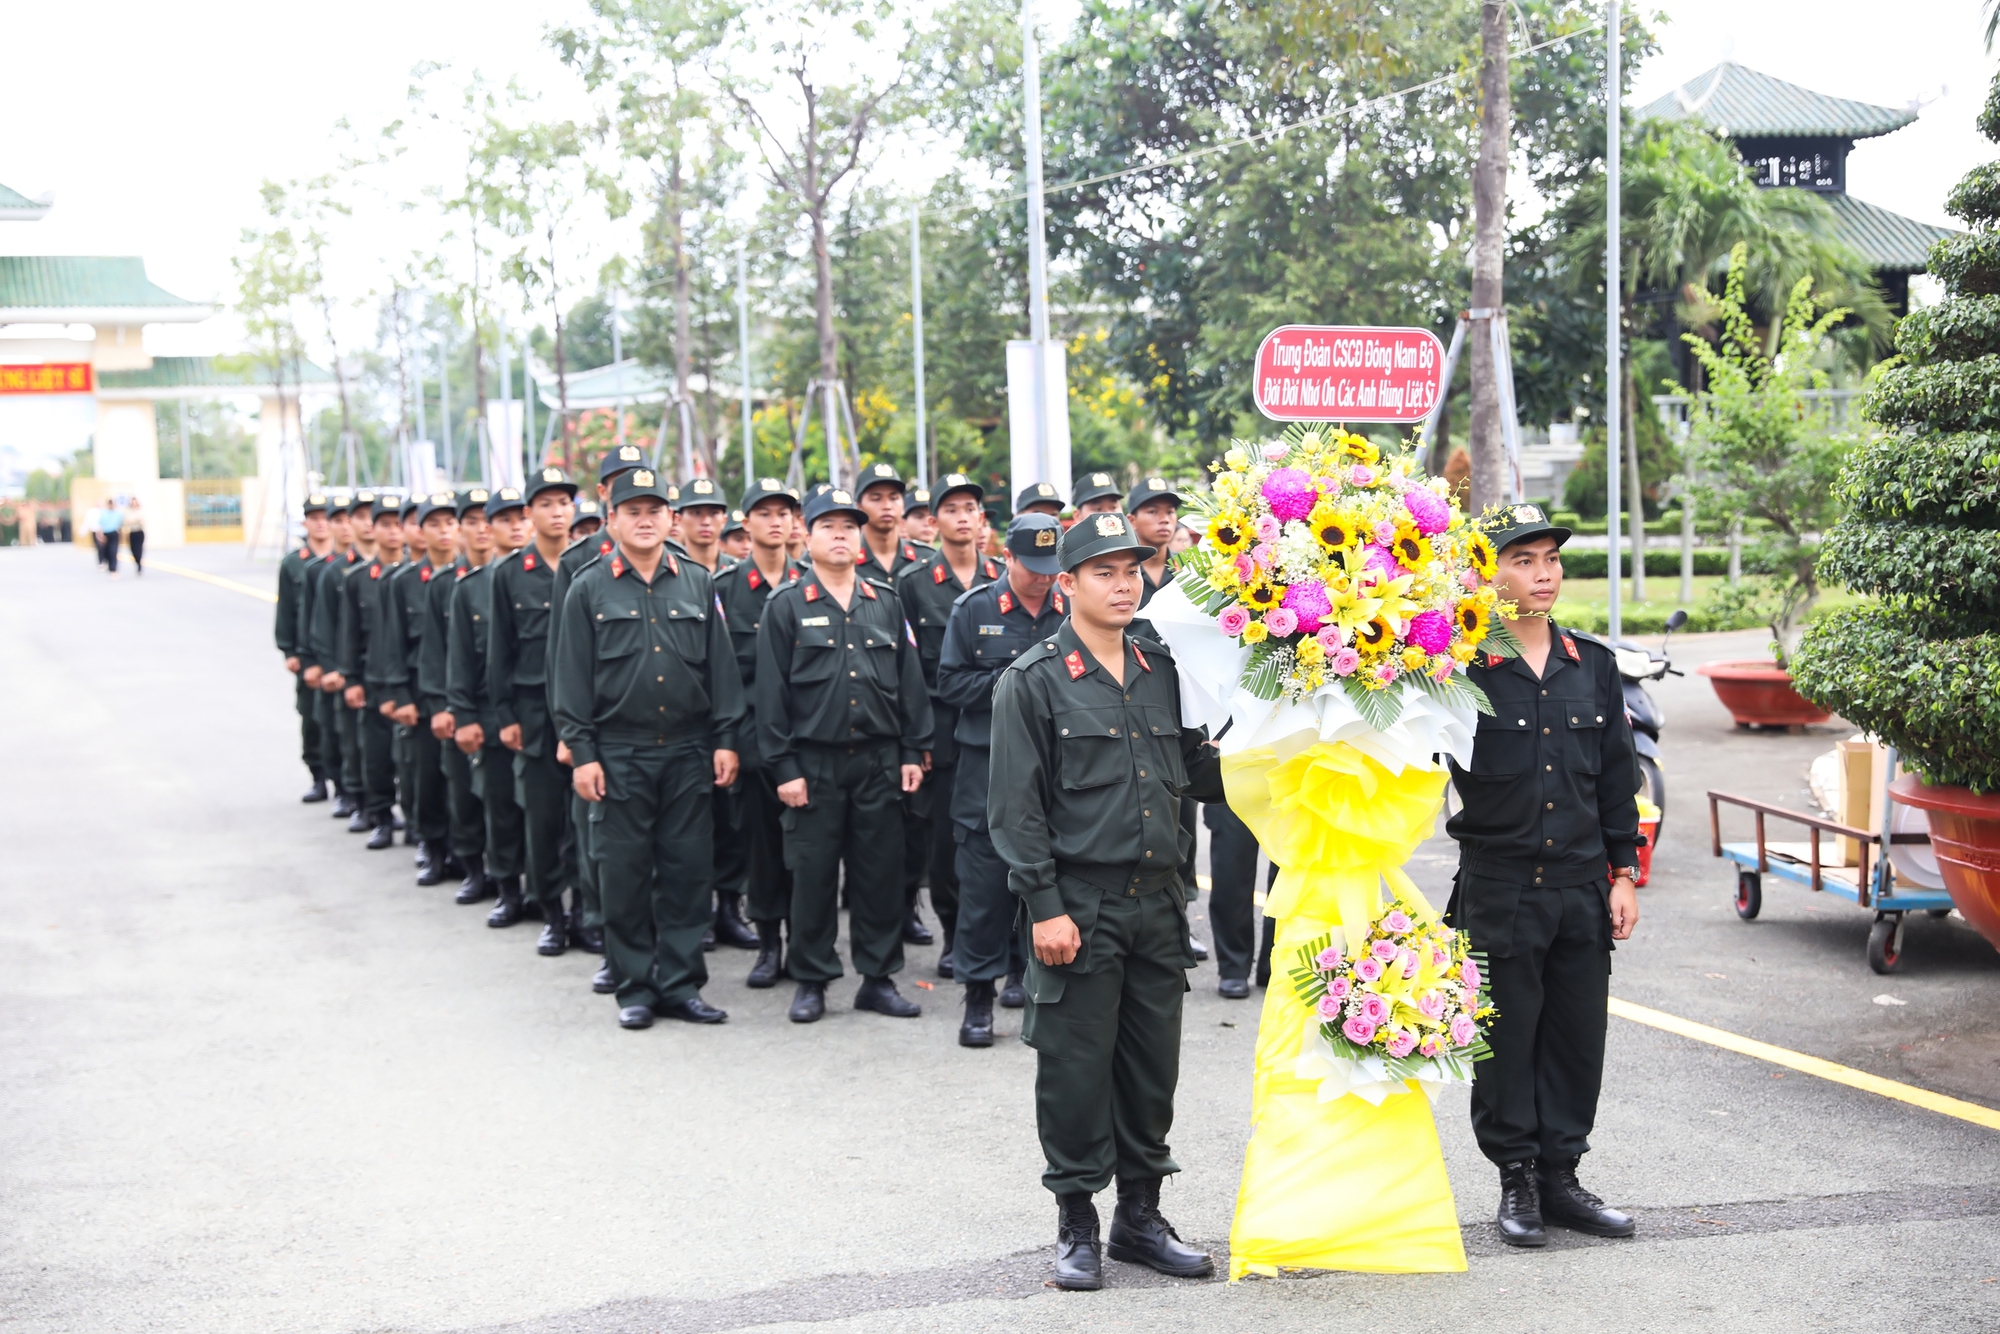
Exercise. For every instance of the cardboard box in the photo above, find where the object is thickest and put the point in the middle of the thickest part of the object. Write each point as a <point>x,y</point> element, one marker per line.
<point>1864,785</point>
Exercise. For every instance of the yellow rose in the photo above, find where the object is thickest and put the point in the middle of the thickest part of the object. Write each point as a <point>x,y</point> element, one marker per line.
<point>1414,658</point>
<point>1310,652</point>
<point>1236,458</point>
<point>1254,633</point>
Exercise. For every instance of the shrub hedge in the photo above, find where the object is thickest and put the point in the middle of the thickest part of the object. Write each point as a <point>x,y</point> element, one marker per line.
<point>1925,479</point>
<point>1968,263</point>
<point>1944,396</point>
<point>1956,330</point>
<point>1955,566</point>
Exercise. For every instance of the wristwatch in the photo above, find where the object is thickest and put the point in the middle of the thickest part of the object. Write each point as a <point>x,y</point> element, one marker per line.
<point>1625,873</point>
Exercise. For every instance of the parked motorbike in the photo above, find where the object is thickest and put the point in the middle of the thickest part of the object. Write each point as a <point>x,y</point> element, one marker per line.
<point>1637,665</point>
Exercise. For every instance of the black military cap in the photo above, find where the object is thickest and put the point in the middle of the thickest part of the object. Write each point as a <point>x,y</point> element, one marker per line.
<point>316,503</point>
<point>1100,535</point>
<point>916,498</point>
<point>766,488</point>
<point>1032,541</point>
<point>471,498</point>
<point>634,483</point>
<point>1149,490</point>
<point>622,459</point>
<point>701,491</point>
<point>957,481</point>
<point>1518,523</point>
<point>438,502</point>
<point>878,474</point>
<point>338,502</point>
<point>586,508</point>
<point>549,479</point>
<point>735,524</point>
<point>363,500</point>
<point>1041,493</point>
<point>505,498</point>
<point>832,500</point>
<point>389,505</point>
<point>1093,486</point>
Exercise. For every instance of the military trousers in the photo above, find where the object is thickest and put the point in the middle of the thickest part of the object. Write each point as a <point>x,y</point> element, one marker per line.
<point>493,780</point>
<point>327,708</point>
<point>854,813</point>
<point>583,858</point>
<point>353,764</point>
<point>1108,1044</point>
<point>940,850</point>
<point>767,881</point>
<point>468,814</point>
<point>377,736</point>
<point>1232,895</point>
<point>987,943</point>
<point>917,808</point>
<point>404,747</point>
<point>654,833</point>
<point>310,747</point>
<point>1536,1097</point>
<point>542,789</point>
<point>732,861</point>
<point>430,815</point>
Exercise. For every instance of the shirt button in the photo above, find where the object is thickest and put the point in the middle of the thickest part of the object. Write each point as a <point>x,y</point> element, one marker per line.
<point>1538,880</point>
<point>1147,814</point>
<point>1600,717</point>
<point>659,678</point>
<point>1572,720</point>
<point>1545,692</point>
<point>1142,773</point>
<point>1548,768</point>
<point>851,673</point>
<point>1065,731</point>
<point>1545,731</point>
<point>1114,731</point>
<point>1149,853</point>
<point>1520,722</point>
<point>1551,806</point>
<point>1548,842</point>
<point>1538,870</point>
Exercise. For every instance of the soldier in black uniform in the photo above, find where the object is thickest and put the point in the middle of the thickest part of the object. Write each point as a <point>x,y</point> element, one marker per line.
<point>319,618</point>
<point>649,702</point>
<point>337,613</point>
<point>362,631</point>
<point>735,539</point>
<point>742,591</point>
<point>844,722</point>
<point>919,519</point>
<point>468,813</point>
<point>1039,498</point>
<point>427,807</point>
<point>1548,845</point>
<point>1095,493</point>
<point>927,592</point>
<point>290,639</point>
<point>467,648</point>
<point>1090,762</point>
<point>523,602</point>
<point>991,627</point>
<point>589,518</point>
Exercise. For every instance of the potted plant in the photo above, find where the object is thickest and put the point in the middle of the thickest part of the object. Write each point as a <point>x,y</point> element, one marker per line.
<point>1763,451</point>
<point>1921,667</point>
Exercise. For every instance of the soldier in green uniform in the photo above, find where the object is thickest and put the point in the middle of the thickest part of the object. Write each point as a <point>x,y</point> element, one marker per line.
<point>291,643</point>
<point>426,805</point>
<point>735,539</point>
<point>1547,807</point>
<point>844,723</point>
<point>742,591</point>
<point>991,627</point>
<point>919,518</point>
<point>523,603</point>
<point>927,592</point>
<point>1090,761</point>
<point>468,814</point>
<point>361,662</point>
<point>649,702</point>
<point>589,518</point>
<point>395,659</point>
<point>467,648</point>
<point>1095,493</point>
<point>322,610</point>
<point>341,610</point>
<point>1039,498</point>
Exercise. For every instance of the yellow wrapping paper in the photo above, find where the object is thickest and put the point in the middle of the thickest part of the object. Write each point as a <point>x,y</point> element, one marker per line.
<point>1343,1184</point>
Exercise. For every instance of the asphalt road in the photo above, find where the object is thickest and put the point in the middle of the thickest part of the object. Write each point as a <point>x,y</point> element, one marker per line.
<point>253,1079</point>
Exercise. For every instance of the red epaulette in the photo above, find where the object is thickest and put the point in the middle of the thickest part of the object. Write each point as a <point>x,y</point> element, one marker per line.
<point>867,590</point>
<point>938,572</point>
<point>1569,647</point>
<point>1137,654</point>
<point>1061,610</point>
<point>375,570</point>
<point>1075,664</point>
<point>755,579</point>
<point>1006,603</point>
<point>617,566</point>
<point>812,592</point>
<point>528,561</point>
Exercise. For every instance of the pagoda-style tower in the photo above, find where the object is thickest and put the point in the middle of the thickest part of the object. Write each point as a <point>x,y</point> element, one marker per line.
<point>1796,137</point>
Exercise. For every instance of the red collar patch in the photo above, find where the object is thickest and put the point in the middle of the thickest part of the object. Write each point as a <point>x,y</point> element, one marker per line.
<point>375,570</point>
<point>1075,664</point>
<point>424,574</point>
<point>464,570</point>
<point>673,566</point>
<point>755,579</point>
<point>812,592</point>
<point>1569,647</point>
<point>939,573</point>
<point>528,561</point>
<point>867,589</point>
<point>305,553</point>
<point>604,547</point>
<point>1494,660</point>
<point>909,552</point>
<point>991,573</point>
<point>865,556</point>
<point>1061,610</point>
<point>617,567</point>
<point>1006,603</point>
<point>1142,658</point>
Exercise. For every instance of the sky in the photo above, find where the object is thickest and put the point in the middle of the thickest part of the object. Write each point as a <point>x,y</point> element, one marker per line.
<point>154,129</point>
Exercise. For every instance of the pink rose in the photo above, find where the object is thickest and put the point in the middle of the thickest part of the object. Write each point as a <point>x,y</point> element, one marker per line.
<point>1385,532</point>
<point>1281,621</point>
<point>1469,998</point>
<point>1269,529</point>
<point>1345,662</point>
<point>1438,957</point>
<point>1274,452</point>
<point>1403,1043</point>
<point>1386,673</point>
<point>1329,638</point>
<point>1385,950</point>
<point>1397,921</point>
<point>1463,1031</point>
<point>1431,1004</point>
<point>1329,1007</point>
<point>1374,1009</point>
<point>1328,486</point>
<point>1361,475</point>
<point>1358,1031</point>
<point>1328,958</point>
<point>1431,1047</point>
<point>1368,970</point>
<point>1338,988</point>
<point>1409,959</point>
<point>1232,621</point>
<point>1443,670</point>
<point>1468,973</point>
<point>1264,555</point>
<point>1246,569</point>
<point>1470,581</point>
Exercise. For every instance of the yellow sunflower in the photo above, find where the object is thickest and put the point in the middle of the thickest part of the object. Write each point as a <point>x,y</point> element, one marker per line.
<point>1479,550</point>
<point>1334,530</point>
<point>1473,619</point>
<point>1410,546</point>
<point>1230,533</point>
<point>1375,638</point>
<point>1360,449</point>
<point>1262,594</point>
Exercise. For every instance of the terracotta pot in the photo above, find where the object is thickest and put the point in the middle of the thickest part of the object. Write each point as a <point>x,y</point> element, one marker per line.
<point>1965,835</point>
<point>1757,690</point>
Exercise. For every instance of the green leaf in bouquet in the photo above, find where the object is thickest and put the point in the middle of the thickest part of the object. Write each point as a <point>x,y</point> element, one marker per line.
<point>1261,674</point>
<point>1378,708</point>
<point>1453,692</point>
<point>1500,640</point>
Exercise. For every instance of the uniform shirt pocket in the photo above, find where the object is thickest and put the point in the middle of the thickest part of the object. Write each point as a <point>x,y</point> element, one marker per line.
<point>1584,747</point>
<point>1163,728</point>
<point>688,628</point>
<point>815,656</point>
<point>1504,745</point>
<point>620,631</point>
<point>1093,750</point>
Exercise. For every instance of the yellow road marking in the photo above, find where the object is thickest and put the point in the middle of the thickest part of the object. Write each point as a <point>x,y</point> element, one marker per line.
<point>230,584</point>
<point>1811,1065</point>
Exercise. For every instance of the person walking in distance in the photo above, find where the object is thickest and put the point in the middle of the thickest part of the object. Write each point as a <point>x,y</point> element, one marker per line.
<point>135,535</point>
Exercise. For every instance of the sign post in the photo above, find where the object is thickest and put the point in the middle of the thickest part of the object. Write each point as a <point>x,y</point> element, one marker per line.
<point>1348,373</point>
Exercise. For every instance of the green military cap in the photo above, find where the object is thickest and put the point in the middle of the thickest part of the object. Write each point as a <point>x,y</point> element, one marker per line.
<point>338,502</point>
<point>389,505</point>
<point>1149,490</point>
<point>363,500</point>
<point>957,481</point>
<point>471,498</point>
<point>586,508</point>
<point>316,503</point>
<point>438,502</point>
<point>1093,486</point>
<point>697,493</point>
<point>916,498</point>
<point>621,459</point>
<point>766,488</point>
<point>1100,535</point>
<point>505,498</point>
<point>878,474</point>
<point>735,524</point>
<point>1517,523</point>
<point>549,479</point>
<point>1032,540</point>
<point>1041,493</point>
<point>832,500</point>
<point>638,483</point>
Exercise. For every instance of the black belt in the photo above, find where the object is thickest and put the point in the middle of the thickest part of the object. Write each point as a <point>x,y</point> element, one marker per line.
<point>1127,881</point>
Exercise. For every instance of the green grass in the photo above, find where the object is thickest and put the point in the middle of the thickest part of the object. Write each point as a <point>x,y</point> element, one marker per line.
<point>1584,603</point>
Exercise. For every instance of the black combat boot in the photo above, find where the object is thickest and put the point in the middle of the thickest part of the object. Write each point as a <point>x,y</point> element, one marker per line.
<point>880,995</point>
<point>589,939</point>
<point>914,930</point>
<point>510,908</point>
<point>1141,1235</point>
<point>344,804</point>
<point>359,823</point>
<point>1567,1204</point>
<point>383,837</point>
<point>1013,995</point>
<point>977,1028</point>
<point>317,792</point>
<point>1520,1215</point>
<point>770,965</point>
<point>605,981</point>
<point>730,928</point>
<point>555,933</point>
<point>435,865</point>
<point>1079,1259</point>
<point>476,887</point>
<point>809,1005</point>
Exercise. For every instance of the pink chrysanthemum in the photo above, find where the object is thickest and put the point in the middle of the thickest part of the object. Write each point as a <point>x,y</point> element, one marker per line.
<point>1309,602</point>
<point>1290,493</point>
<point>1430,631</point>
<point>1375,556</point>
<point>1429,509</point>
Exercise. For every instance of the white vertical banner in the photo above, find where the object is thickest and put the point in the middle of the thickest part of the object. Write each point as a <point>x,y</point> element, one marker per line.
<point>503,425</point>
<point>420,465</point>
<point>1027,468</point>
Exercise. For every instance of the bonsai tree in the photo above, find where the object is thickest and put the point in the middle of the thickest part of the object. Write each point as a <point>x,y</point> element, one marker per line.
<point>1920,668</point>
<point>1763,451</point>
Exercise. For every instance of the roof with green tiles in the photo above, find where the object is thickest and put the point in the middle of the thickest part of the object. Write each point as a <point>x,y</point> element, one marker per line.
<point>170,374</point>
<point>1744,104</point>
<point>18,207</point>
<point>47,286</point>
<point>1886,240</point>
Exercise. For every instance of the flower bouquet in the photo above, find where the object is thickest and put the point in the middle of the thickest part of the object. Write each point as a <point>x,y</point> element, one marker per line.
<point>1344,570</point>
<point>1407,1001</point>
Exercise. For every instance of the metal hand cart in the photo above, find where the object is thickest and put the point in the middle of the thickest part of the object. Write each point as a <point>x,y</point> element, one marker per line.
<point>1867,886</point>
